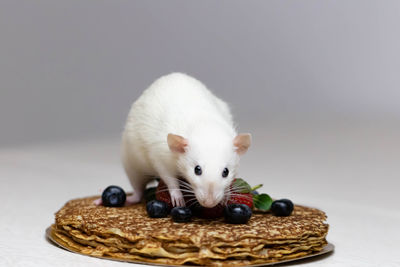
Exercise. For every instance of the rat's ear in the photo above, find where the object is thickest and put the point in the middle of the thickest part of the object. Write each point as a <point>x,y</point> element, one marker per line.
<point>176,143</point>
<point>242,143</point>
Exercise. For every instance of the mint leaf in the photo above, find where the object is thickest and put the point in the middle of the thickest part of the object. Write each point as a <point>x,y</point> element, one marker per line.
<point>262,202</point>
<point>241,186</point>
<point>256,187</point>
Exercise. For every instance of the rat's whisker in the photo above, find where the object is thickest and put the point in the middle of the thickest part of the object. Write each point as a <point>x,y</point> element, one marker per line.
<point>184,183</point>
<point>188,188</point>
<point>239,187</point>
<point>191,199</point>
<point>174,189</point>
<point>193,202</point>
<point>243,196</point>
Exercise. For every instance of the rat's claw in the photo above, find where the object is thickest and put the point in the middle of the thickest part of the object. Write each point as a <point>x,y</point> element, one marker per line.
<point>177,198</point>
<point>181,202</point>
<point>98,202</point>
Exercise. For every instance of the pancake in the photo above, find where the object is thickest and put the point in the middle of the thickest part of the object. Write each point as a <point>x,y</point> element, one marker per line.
<point>127,233</point>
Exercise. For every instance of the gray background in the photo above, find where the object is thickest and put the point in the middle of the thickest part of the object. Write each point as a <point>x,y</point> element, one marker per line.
<point>316,82</point>
<point>71,69</point>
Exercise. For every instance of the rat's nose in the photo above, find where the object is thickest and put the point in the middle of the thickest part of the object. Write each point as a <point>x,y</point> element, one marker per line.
<point>208,202</point>
<point>206,199</point>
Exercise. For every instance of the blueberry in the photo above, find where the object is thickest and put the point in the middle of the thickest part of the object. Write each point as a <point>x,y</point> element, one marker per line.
<point>255,192</point>
<point>113,196</point>
<point>181,214</point>
<point>288,202</point>
<point>237,213</point>
<point>282,207</point>
<point>157,209</point>
<point>196,209</point>
<point>150,193</point>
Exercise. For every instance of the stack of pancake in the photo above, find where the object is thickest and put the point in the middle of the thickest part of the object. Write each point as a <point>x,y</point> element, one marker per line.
<point>127,233</point>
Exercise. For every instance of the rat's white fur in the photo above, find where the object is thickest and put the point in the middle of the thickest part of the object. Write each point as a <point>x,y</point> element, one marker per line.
<point>181,105</point>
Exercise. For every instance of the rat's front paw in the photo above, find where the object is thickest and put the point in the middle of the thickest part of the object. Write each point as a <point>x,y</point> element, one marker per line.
<point>133,199</point>
<point>177,198</point>
<point>98,202</point>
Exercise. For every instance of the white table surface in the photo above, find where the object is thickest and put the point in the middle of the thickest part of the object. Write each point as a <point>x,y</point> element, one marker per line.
<point>349,171</point>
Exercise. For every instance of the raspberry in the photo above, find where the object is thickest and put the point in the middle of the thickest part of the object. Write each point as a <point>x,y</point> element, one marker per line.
<point>241,198</point>
<point>162,194</point>
<point>208,213</point>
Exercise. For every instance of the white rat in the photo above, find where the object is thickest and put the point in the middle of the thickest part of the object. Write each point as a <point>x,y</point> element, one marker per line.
<point>178,128</point>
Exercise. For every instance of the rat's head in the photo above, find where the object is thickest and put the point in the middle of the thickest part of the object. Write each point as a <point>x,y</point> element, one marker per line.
<point>208,161</point>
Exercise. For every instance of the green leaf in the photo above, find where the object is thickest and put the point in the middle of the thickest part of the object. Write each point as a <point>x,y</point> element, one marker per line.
<point>256,187</point>
<point>241,186</point>
<point>262,202</point>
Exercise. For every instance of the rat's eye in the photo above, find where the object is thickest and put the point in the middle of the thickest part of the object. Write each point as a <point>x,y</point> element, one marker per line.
<point>225,172</point>
<point>197,170</point>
